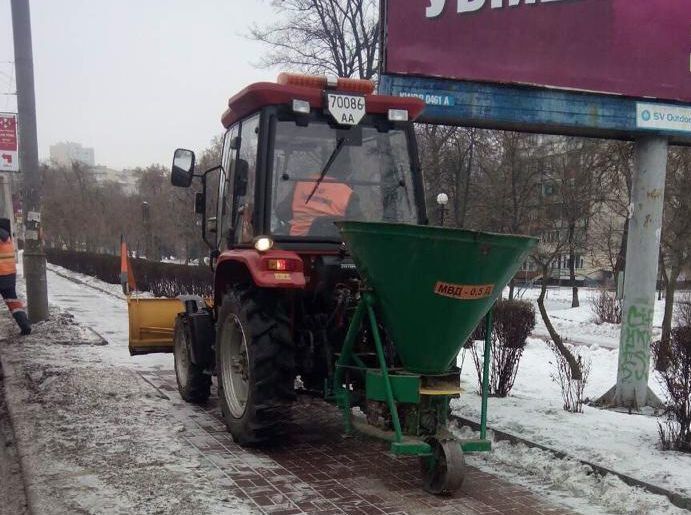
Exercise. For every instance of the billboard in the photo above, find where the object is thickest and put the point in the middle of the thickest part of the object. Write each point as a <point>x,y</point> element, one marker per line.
<point>9,158</point>
<point>637,48</point>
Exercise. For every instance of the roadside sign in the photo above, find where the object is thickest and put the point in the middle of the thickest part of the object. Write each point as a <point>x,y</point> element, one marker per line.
<point>592,68</point>
<point>9,157</point>
<point>636,48</point>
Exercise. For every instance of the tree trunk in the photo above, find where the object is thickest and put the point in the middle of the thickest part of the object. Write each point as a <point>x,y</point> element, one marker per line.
<point>462,209</point>
<point>665,352</point>
<point>512,286</point>
<point>572,265</point>
<point>576,373</point>
<point>620,264</point>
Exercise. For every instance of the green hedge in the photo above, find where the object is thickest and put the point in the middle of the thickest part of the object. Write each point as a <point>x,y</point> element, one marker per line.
<point>161,279</point>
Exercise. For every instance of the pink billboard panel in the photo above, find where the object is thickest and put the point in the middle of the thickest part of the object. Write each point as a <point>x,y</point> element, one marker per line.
<point>639,48</point>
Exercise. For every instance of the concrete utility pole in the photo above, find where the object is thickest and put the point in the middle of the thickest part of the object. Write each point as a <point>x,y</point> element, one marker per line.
<point>34,256</point>
<point>642,252</point>
<point>6,210</point>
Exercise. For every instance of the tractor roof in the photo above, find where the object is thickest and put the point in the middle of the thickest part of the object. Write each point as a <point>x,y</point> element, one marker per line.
<point>262,94</point>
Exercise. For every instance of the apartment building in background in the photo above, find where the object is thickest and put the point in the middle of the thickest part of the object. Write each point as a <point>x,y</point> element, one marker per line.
<point>65,153</point>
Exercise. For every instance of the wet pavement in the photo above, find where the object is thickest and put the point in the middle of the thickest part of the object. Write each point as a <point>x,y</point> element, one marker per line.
<point>320,471</point>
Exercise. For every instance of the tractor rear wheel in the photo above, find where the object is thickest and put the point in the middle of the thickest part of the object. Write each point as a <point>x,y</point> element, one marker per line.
<point>194,384</point>
<point>444,471</point>
<point>255,366</point>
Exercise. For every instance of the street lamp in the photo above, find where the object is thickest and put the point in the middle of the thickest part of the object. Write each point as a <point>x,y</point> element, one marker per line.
<point>442,200</point>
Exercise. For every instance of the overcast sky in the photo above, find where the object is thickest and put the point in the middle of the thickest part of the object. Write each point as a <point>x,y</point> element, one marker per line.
<point>134,79</point>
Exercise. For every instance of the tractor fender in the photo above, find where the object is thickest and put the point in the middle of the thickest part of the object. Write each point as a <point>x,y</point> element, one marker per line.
<point>239,266</point>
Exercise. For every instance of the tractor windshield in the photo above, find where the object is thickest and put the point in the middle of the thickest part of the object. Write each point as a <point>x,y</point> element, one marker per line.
<point>322,174</point>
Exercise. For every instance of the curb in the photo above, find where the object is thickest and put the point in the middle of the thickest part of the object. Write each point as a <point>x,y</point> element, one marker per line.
<point>678,500</point>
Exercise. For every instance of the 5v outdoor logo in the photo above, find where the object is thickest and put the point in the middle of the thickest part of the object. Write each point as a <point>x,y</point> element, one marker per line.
<point>436,7</point>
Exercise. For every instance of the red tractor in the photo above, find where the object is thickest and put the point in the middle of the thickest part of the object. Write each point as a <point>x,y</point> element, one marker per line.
<point>307,164</point>
<point>297,156</point>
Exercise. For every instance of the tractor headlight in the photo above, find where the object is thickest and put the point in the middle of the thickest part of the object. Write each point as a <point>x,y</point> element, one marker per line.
<point>263,243</point>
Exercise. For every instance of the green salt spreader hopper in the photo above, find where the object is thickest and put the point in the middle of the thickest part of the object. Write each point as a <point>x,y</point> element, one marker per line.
<point>425,290</point>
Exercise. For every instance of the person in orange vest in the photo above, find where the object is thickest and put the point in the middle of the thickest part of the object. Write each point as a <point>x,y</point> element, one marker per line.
<point>8,277</point>
<point>333,200</point>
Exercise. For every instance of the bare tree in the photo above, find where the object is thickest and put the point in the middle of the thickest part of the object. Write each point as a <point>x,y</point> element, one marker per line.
<point>553,244</point>
<point>339,37</point>
<point>608,229</point>
<point>509,184</point>
<point>580,175</point>
<point>435,151</point>
<point>85,214</point>
<point>468,143</point>
<point>676,238</point>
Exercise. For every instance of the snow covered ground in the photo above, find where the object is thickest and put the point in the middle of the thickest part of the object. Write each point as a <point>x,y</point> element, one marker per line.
<point>577,324</point>
<point>625,443</point>
<point>101,307</point>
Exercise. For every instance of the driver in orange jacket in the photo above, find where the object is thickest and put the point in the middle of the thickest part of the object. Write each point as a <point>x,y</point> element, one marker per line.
<point>8,278</point>
<point>332,200</point>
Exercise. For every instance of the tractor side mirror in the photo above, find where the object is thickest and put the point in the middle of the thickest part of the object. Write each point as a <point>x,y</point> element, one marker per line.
<point>241,171</point>
<point>199,204</point>
<point>183,168</point>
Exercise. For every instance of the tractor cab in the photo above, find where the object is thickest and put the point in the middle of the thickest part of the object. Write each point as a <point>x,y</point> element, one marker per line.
<point>303,153</point>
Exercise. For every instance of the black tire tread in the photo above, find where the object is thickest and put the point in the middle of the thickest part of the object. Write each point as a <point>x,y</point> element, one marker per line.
<point>271,362</point>
<point>198,387</point>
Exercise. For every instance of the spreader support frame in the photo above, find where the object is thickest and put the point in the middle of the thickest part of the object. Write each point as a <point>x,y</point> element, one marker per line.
<point>381,385</point>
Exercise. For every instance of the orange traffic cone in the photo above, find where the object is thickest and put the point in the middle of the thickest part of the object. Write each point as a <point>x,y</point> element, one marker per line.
<point>126,273</point>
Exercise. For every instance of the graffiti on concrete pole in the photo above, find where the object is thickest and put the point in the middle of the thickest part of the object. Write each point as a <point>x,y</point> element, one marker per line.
<point>635,352</point>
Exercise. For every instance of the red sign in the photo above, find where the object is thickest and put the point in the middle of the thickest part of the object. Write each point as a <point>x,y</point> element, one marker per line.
<point>639,48</point>
<point>8,143</point>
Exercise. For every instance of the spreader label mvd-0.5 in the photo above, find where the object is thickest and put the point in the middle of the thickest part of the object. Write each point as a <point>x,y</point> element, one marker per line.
<point>463,291</point>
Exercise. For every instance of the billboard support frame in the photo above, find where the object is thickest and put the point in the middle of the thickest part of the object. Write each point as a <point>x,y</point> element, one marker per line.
<point>534,109</point>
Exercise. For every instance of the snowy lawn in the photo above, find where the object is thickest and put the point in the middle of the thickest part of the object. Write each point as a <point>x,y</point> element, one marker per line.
<point>578,325</point>
<point>625,443</point>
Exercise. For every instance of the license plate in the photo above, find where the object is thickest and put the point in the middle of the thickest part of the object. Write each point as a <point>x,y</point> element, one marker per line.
<point>346,109</point>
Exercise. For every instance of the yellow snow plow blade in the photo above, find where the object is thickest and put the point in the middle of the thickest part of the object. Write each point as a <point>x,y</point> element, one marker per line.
<point>151,324</point>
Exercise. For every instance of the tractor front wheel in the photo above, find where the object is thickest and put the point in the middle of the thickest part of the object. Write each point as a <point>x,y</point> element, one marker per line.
<point>194,384</point>
<point>444,471</point>
<point>256,369</point>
